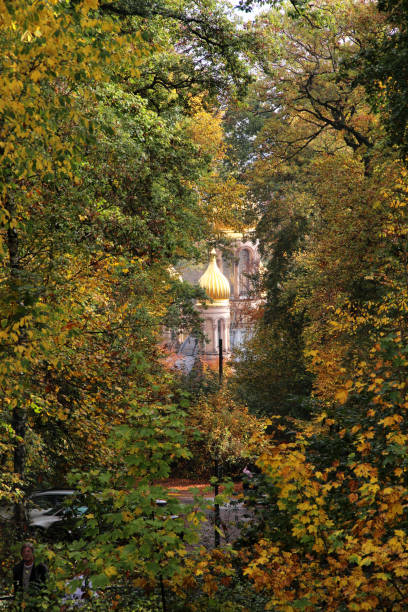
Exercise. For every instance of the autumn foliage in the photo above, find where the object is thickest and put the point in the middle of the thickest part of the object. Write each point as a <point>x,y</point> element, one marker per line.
<point>333,536</point>
<point>124,152</point>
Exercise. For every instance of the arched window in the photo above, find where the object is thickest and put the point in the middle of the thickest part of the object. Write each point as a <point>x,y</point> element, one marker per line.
<point>209,335</point>
<point>244,270</point>
<point>227,270</point>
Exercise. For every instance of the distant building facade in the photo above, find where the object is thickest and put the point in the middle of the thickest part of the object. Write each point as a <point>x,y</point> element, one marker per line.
<point>228,281</point>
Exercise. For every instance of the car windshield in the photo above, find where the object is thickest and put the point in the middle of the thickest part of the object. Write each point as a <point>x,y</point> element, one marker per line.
<point>61,510</point>
<point>42,501</point>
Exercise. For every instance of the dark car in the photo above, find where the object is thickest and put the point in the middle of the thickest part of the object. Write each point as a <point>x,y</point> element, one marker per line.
<point>63,522</point>
<point>40,502</point>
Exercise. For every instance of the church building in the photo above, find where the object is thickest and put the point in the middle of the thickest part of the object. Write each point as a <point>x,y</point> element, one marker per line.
<point>228,281</point>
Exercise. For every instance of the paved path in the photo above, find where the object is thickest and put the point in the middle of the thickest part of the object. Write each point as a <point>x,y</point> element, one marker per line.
<point>232,514</point>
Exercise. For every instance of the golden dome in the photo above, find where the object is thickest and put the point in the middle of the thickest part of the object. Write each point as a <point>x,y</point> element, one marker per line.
<point>214,283</point>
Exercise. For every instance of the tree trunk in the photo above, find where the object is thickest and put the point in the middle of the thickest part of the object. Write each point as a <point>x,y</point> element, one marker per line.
<point>18,420</point>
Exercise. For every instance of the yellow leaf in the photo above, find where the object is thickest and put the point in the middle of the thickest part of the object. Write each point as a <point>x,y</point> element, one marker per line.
<point>391,420</point>
<point>342,396</point>
<point>110,571</point>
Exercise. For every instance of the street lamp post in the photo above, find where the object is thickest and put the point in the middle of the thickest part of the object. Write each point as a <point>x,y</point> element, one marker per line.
<point>217,517</point>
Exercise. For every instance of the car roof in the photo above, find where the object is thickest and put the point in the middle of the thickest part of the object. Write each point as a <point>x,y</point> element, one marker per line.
<point>53,492</point>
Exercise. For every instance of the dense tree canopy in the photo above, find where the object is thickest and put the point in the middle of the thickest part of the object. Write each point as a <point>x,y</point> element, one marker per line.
<point>132,133</point>
<point>331,196</point>
<point>99,167</point>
